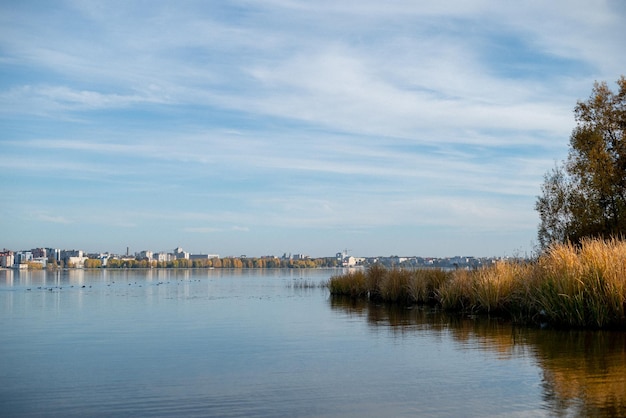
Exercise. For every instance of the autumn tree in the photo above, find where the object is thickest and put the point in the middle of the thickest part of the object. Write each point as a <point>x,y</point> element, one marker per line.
<point>586,195</point>
<point>93,263</point>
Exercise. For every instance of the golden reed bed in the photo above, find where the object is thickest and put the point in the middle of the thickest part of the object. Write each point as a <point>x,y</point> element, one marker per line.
<point>568,286</point>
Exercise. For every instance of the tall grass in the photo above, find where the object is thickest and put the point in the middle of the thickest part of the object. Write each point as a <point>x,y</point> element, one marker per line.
<point>570,286</point>
<point>583,287</point>
<point>353,284</point>
<point>425,283</point>
<point>390,285</point>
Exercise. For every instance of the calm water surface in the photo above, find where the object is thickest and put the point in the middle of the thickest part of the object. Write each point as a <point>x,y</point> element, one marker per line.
<point>234,343</point>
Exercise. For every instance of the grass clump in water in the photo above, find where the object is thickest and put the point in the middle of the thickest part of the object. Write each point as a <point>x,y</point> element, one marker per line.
<point>389,285</point>
<point>353,284</point>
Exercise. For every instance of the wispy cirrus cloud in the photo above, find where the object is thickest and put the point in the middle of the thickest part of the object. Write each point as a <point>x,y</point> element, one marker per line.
<point>45,217</point>
<point>49,100</point>
<point>201,229</point>
<point>215,118</point>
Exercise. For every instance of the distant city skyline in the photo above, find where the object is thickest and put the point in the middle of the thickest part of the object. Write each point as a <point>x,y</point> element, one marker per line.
<point>55,252</point>
<point>264,127</point>
<point>54,258</point>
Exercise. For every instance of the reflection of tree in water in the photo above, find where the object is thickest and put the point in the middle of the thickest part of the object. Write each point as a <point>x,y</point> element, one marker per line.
<point>584,372</point>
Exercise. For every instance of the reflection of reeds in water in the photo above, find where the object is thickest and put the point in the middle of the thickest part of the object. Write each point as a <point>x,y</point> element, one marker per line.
<point>584,372</point>
<point>567,286</point>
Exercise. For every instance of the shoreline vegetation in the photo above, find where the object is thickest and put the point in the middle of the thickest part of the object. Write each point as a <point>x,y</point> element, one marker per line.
<point>567,286</point>
<point>210,263</point>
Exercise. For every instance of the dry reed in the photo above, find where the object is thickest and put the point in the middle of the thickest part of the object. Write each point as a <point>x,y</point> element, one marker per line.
<point>572,286</point>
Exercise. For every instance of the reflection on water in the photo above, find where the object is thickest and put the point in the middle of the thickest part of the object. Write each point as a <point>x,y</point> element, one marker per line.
<point>73,277</point>
<point>584,372</point>
<point>272,343</point>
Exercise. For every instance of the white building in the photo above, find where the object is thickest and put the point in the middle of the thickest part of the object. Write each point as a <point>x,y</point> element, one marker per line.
<point>76,262</point>
<point>41,260</point>
<point>22,257</point>
<point>179,253</point>
<point>348,261</point>
<point>146,254</point>
<point>53,254</point>
<point>163,257</point>
<point>7,259</point>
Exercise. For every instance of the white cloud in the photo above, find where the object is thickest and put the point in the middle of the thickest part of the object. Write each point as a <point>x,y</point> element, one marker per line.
<point>201,229</point>
<point>55,100</point>
<point>295,114</point>
<point>45,217</point>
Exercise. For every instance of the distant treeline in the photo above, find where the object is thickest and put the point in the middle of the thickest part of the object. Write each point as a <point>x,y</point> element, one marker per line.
<point>229,262</point>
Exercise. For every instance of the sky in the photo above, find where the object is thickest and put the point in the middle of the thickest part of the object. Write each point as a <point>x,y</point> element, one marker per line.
<point>290,126</point>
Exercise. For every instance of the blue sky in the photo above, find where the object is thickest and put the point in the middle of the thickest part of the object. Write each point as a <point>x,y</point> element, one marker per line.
<point>264,127</point>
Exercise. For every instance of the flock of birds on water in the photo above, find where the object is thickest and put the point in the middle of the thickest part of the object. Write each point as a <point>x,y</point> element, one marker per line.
<point>58,288</point>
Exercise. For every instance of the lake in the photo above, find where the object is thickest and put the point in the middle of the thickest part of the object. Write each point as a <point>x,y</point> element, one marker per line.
<point>265,343</point>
